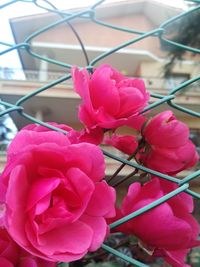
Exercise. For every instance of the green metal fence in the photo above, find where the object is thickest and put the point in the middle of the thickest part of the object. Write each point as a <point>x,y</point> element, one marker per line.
<point>90,15</point>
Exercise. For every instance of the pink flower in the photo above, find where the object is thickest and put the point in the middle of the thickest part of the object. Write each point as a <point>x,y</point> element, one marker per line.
<point>55,197</point>
<point>109,98</point>
<point>125,143</point>
<point>168,230</point>
<point>168,149</point>
<point>12,255</point>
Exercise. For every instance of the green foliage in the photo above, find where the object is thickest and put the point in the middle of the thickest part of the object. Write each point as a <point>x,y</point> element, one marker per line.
<point>185,31</point>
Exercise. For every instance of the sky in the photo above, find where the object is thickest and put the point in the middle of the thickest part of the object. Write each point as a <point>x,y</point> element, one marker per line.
<point>21,8</point>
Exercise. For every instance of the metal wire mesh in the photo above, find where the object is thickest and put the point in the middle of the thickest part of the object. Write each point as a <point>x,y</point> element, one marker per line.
<point>90,15</point>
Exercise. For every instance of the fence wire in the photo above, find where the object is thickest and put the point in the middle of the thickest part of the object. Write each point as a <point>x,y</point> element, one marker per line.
<point>89,14</point>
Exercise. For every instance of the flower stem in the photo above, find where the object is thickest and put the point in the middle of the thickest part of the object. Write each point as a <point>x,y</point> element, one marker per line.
<point>126,178</point>
<point>140,145</point>
<point>119,169</point>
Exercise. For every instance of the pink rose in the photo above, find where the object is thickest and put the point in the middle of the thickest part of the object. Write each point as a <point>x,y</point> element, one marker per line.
<point>109,98</point>
<point>169,149</point>
<point>12,255</point>
<point>53,193</point>
<point>125,143</point>
<point>168,230</point>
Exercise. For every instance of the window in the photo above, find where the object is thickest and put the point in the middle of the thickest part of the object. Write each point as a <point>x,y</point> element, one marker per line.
<point>174,79</point>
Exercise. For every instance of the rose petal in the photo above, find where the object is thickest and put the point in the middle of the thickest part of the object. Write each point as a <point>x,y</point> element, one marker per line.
<point>83,186</point>
<point>99,227</point>
<point>41,128</point>
<point>132,100</point>
<point>93,136</point>
<point>16,199</point>
<point>103,90</point>
<point>169,133</point>
<point>26,137</point>
<point>28,262</point>
<point>81,82</point>
<point>102,201</point>
<point>5,263</point>
<point>182,200</point>
<point>62,240</point>
<point>125,143</point>
<point>177,258</point>
<point>93,164</point>
<point>39,190</point>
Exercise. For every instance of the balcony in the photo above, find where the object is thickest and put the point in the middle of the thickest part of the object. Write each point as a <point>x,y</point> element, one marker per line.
<point>7,74</point>
<point>152,83</point>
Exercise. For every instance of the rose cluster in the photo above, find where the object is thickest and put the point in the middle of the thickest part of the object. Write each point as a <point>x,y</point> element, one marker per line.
<point>56,205</point>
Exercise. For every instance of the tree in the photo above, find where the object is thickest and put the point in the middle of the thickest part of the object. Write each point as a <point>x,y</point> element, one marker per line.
<point>184,31</point>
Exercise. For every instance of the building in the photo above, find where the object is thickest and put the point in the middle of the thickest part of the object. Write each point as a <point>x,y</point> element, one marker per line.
<point>144,58</point>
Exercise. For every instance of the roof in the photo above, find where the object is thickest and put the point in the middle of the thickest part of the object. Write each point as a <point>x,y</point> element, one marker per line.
<point>127,7</point>
<point>24,26</point>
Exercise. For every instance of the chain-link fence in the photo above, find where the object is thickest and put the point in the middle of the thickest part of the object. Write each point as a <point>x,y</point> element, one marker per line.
<point>89,14</point>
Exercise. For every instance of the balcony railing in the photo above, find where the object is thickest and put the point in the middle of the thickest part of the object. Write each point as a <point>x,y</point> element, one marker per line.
<point>29,75</point>
<point>43,76</point>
